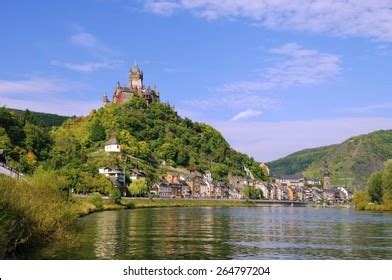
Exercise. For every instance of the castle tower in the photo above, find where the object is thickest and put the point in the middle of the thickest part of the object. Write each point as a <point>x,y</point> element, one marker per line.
<point>327,178</point>
<point>136,78</point>
<point>105,100</point>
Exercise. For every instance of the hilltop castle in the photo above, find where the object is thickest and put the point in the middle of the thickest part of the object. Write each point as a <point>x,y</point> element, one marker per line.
<point>135,88</point>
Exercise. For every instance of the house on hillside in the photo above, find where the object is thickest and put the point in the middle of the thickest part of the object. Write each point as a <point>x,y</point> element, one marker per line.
<point>112,146</point>
<point>137,174</point>
<point>116,176</point>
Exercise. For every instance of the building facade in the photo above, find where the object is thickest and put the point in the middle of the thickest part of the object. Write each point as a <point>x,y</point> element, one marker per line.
<point>135,88</point>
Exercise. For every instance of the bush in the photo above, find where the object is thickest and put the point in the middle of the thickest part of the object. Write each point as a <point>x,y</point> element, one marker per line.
<point>129,205</point>
<point>115,195</point>
<point>96,200</point>
<point>361,200</point>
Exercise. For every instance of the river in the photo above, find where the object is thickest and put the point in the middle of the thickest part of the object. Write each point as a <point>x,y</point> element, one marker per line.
<point>229,233</point>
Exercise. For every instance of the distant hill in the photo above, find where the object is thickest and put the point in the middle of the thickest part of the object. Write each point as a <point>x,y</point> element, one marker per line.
<point>350,162</point>
<point>42,119</point>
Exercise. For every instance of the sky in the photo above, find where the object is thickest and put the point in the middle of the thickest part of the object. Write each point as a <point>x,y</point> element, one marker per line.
<point>273,76</point>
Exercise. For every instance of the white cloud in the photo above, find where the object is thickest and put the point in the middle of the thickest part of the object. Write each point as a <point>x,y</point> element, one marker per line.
<point>83,67</point>
<point>338,17</point>
<point>300,67</point>
<point>271,140</point>
<point>84,39</point>
<point>248,114</point>
<point>34,85</point>
<point>45,95</point>
<point>234,101</point>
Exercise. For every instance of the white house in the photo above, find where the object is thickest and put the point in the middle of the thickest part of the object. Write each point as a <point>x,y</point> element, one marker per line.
<point>112,146</point>
<point>115,175</point>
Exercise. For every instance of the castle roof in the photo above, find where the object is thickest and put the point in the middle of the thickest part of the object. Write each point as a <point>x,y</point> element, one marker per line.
<point>136,69</point>
<point>112,141</point>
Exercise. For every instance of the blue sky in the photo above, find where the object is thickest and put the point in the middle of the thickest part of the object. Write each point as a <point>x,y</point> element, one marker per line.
<point>273,76</point>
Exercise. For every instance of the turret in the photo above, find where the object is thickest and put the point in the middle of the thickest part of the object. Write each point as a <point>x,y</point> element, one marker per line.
<point>136,78</point>
<point>105,100</point>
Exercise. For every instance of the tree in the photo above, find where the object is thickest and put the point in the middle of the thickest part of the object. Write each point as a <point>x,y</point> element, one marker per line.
<point>97,131</point>
<point>387,179</point>
<point>376,187</point>
<point>252,193</point>
<point>138,187</point>
<point>219,171</point>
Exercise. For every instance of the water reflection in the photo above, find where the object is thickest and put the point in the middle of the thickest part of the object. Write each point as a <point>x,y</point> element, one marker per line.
<point>230,233</point>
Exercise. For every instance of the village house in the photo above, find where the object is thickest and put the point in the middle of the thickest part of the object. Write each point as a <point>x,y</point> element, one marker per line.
<point>116,176</point>
<point>112,146</point>
<point>291,180</point>
<point>234,193</point>
<point>172,178</point>
<point>137,174</point>
<point>194,181</point>
<point>176,190</point>
<point>164,190</point>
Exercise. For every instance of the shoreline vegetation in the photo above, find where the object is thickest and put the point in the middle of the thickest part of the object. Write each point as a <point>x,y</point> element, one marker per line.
<point>33,213</point>
<point>36,210</point>
<point>378,196</point>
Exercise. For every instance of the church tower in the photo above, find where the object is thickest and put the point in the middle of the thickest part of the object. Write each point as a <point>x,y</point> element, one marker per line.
<point>327,177</point>
<point>136,78</point>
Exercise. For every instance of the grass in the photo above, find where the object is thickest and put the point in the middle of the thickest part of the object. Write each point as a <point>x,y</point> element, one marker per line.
<point>31,215</point>
<point>154,203</point>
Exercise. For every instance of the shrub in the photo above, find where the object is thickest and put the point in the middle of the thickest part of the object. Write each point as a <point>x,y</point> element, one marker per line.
<point>129,205</point>
<point>115,195</point>
<point>96,200</point>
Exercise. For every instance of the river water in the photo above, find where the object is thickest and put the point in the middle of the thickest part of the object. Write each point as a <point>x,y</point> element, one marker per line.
<point>229,233</point>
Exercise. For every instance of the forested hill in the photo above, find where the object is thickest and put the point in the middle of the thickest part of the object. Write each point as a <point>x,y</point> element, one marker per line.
<point>42,119</point>
<point>149,135</point>
<point>153,133</point>
<point>350,162</point>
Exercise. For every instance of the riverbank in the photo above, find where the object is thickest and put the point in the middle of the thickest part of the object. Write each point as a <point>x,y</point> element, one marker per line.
<point>85,208</point>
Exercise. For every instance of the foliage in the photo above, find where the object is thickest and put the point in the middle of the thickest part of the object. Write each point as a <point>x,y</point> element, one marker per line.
<point>253,193</point>
<point>379,191</point>
<point>115,195</point>
<point>129,204</point>
<point>97,131</point>
<point>350,162</point>
<point>138,187</point>
<point>40,119</point>
<point>375,187</point>
<point>361,199</point>
<point>31,215</point>
<point>96,200</point>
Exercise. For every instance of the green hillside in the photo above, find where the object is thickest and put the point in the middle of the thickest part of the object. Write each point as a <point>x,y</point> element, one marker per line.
<point>152,134</point>
<point>350,162</point>
<point>42,119</point>
<point>149,135</point>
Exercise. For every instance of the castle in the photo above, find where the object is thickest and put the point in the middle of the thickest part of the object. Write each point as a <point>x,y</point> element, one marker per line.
<point>135,88</point>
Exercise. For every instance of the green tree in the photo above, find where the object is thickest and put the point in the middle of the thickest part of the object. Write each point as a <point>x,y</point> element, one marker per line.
<point>138,187</point>
<point>97,131</point>
<point>375,189</point>
<point>387,179</point>
<point>219,171</point>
